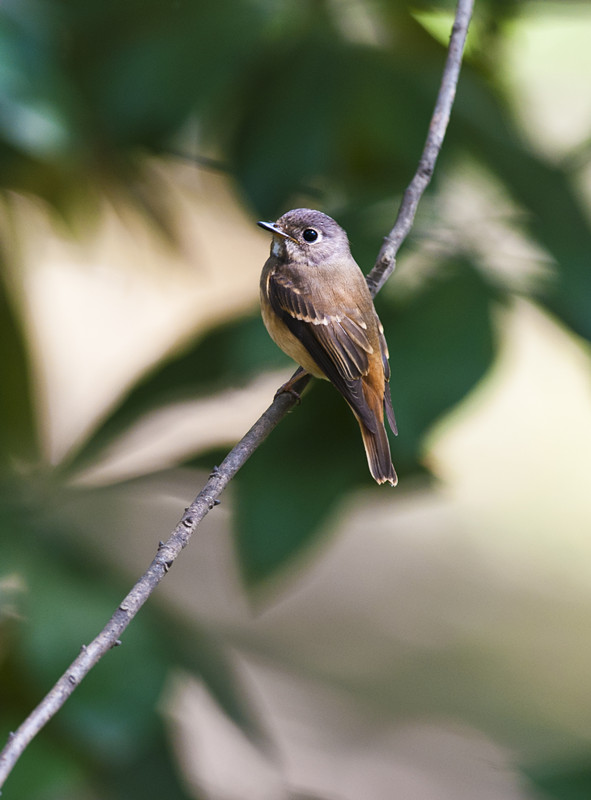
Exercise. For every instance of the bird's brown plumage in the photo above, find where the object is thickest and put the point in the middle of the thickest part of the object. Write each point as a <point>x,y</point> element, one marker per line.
<point>317,307</point>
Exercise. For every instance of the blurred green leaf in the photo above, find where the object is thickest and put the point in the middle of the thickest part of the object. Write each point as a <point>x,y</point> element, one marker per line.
<point>441,343</point>
<point>572,782</point>
<point>555,214</point>
<point>58,774</point>
<point>189,53</point>
<point>291,486</point>
<point>33,87</point>
<point>152,775</point>
<point>330,125</point>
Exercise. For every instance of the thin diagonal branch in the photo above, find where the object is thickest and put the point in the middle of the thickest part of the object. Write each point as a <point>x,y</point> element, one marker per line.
<point>208,497</point>
<point>386,261</point>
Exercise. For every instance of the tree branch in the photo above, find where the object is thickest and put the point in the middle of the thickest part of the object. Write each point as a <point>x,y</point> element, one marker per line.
<point>386,261</point>
<point>208,497</point>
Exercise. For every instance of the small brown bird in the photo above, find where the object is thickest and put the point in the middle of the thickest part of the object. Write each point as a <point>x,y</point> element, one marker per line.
<point>317,307</point>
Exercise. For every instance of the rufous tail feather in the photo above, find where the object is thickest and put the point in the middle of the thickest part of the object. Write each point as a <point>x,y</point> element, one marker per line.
<point>377,449</point>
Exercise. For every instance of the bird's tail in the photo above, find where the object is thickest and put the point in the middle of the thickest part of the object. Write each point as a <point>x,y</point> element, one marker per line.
<point>370,417</point>
<point>377,450</point>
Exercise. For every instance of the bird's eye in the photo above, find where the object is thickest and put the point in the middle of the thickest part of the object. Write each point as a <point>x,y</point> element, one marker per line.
<point>310,235</point>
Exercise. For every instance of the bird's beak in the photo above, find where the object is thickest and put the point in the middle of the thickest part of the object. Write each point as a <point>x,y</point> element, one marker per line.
<point>274,228</point>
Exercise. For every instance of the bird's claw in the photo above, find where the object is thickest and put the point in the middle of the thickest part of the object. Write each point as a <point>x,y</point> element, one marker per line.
<point>286,389</point>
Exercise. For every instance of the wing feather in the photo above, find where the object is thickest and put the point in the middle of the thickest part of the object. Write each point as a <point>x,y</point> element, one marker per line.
<point>338,342</point>
<point>387,396</point>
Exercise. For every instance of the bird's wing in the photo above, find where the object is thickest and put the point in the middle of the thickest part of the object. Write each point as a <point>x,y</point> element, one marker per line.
<point>337,341</point>
<point>387,396</point>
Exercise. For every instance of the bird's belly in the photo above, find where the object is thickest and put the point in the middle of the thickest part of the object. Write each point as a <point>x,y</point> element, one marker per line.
<point>285,339</point>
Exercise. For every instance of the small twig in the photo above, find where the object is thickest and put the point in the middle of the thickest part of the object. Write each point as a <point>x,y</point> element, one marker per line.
<point>386,261</point>
<point>168,551</point>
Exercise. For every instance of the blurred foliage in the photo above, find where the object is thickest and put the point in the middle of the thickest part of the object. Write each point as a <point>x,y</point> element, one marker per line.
<point>301,101</point>
<point>571,782</point>
<point>18,424</point>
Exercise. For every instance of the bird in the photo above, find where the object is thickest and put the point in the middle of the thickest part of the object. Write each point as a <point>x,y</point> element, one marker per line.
<point>317,308</point>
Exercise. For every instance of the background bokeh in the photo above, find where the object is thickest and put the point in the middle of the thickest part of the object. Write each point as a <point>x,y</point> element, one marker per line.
<point>322,638</point>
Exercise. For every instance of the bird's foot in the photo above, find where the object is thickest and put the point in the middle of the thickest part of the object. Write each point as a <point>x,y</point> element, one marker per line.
<point>287,387</point>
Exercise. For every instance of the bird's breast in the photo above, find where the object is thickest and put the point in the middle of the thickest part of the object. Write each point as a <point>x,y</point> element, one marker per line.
<point>281,334</point>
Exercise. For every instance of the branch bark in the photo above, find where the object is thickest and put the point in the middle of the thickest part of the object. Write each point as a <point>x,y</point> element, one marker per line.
<point>386,261</point>
<point>208,497</point>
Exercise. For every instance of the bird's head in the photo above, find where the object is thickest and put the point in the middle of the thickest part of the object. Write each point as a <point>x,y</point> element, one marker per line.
<point>307,236</point>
